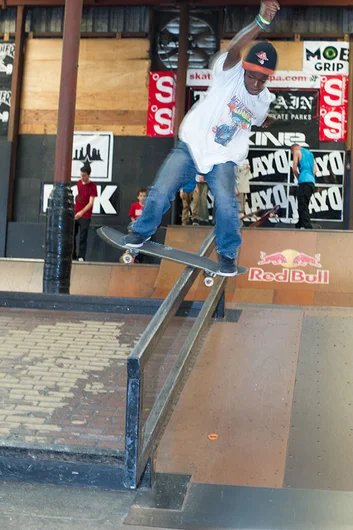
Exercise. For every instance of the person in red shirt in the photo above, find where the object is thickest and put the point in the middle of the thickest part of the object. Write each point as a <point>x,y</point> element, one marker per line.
<point>87,191</point>
<point>136,208</point>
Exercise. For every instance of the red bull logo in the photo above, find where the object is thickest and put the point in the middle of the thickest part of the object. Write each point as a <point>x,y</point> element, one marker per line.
<point>290,261</point>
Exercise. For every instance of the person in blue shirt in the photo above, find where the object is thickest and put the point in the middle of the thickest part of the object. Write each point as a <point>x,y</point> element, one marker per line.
<point>305,169</point>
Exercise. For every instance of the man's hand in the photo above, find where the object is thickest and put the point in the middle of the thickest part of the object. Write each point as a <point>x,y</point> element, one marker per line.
<point>268,122</point>
<point>78,216</point>
<point>268,9</point>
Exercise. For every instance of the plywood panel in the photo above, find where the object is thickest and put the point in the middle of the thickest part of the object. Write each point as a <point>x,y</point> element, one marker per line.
<point>135,281</point>
<point>101,117</point>
<point>112,86</point>
<point>290,54</point>
<point>242,392</point>
<point>117,130</point>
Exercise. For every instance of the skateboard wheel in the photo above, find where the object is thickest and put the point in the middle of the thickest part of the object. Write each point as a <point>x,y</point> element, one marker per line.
<point>209,282</point>
<point>127,258</point>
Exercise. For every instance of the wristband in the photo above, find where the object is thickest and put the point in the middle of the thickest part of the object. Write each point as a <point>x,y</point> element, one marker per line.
<point>264,21</point>
<point>260,23</point>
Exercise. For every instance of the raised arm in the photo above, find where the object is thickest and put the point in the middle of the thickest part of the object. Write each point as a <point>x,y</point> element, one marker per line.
<point>268,10</point>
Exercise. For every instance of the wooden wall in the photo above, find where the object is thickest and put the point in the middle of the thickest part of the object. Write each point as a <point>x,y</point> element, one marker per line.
<point>112,86</point>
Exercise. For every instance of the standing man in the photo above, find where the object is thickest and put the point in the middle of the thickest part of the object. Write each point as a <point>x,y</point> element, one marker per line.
<point>243,184</point>
<point>305,169</point>
<point>87,191</point>
<point>201,201</point>
<point>214,137</point>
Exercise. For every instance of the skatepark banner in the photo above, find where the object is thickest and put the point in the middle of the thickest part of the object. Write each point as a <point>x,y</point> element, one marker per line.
<point>106,203</point>
<point>296,112</point>
<point>281,79</point>
<point>7,55</point>
<point>5,103</point>
<point>297,120</point>
<point>333,108</point>
<point>273,183</point>
<point>161,104</point>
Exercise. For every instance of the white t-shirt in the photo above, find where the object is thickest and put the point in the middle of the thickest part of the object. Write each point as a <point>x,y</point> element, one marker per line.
<point>217,128</point>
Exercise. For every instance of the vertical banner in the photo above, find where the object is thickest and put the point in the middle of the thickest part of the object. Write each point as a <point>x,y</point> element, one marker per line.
<point>7,56</point>
<point>161,104</point>
<point>334,108</point>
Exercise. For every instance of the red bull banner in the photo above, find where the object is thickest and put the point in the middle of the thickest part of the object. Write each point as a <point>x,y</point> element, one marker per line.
<point>294,267</point>
<point>161,104</point>
<point>334,108</point>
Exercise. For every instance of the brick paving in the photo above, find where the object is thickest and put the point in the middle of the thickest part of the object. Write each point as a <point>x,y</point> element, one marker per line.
<point>63,375</point>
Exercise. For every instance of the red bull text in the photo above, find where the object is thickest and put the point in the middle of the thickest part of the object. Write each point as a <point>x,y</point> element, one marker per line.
<point>290,261</point>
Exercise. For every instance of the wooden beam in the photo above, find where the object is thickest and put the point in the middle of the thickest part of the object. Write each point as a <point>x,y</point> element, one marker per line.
<point>15,109</point>
<point>68,90</point>
<point>194,3</point>
<point>183,59</point>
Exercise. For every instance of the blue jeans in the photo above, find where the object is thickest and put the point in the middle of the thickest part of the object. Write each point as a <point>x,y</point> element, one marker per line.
<point>178,169</point>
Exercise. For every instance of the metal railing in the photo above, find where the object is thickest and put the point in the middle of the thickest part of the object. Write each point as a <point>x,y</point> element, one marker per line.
<point>141,440</point>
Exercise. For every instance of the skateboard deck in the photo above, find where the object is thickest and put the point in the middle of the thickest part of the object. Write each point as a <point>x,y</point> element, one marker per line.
<point>263,218</point>
<point>116,239</point>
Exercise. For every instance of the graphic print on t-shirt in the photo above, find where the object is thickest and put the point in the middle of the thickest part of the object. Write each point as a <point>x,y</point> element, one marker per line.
<point>238,117</point>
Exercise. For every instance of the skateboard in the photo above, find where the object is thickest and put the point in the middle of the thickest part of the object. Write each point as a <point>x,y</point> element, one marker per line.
<point>209,266</point>
<point>260,219</point>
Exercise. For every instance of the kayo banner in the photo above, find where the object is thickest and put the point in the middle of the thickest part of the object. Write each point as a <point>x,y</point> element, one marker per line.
<point>333,108</point>
<point>297,120</point>
<point>161,104</point>
<point>272,184</point>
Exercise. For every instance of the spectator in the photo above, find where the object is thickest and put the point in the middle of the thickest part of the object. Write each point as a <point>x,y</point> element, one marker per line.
<point>243,184</point>
<point>87,191</point>
<point>187,195</point>
<point>136,208</point>
<point>304,169</point>
<point>201,202</point>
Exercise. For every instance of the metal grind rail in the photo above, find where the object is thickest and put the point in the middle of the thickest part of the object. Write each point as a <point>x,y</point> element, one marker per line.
<point>140,441</point>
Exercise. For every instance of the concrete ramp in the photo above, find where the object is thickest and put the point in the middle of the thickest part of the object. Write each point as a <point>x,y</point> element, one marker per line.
<point>275,388</point>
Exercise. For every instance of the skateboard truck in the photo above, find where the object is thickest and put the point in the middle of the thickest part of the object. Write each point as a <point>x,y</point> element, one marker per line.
<point>129,256</point>
<point>209,277</point>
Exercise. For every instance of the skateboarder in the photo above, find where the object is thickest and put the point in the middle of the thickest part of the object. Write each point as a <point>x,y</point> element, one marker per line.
<point>305,169</point>
<point>214,137</point>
